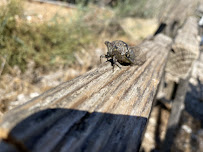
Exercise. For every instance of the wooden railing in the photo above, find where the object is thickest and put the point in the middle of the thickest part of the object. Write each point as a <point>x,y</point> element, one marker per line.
<point>101,110</point>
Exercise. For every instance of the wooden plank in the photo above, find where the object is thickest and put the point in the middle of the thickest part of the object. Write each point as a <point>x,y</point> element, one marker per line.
<point>179,66</point>
<point>177,107</point>
<point>185,51</point>
<point>194,97</point>
<point>200,9</point>
<point>175,15</point>
<point>101,110</point>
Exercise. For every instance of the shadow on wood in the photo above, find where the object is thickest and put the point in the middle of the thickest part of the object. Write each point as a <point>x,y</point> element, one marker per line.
<point>75,130</point>
<point>177,107</point>
<point>194,100</point>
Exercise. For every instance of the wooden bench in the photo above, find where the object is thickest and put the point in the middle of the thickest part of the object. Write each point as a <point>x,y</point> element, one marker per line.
<point>101,110</point>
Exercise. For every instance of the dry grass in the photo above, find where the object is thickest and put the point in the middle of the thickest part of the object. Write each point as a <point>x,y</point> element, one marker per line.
<point>41,42</point>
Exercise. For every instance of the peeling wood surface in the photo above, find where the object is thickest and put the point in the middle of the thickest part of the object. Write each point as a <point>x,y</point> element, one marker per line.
<point>186,51</point>
<point>101,110</point>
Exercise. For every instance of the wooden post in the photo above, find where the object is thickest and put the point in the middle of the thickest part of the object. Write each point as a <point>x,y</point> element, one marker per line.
<point>179,67</point>
<point>177,107</point>
<point>185,51</point>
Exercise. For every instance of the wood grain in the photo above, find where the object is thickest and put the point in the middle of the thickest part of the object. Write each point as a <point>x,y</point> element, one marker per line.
<point>101,110</point>
<point>176,111</point>
<point>175,14</point>
<point>185,51</point>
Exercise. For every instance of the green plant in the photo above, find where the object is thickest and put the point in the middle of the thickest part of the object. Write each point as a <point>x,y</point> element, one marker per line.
<point>49,44</point>
<point>134,8</point>
<point>8,28</point>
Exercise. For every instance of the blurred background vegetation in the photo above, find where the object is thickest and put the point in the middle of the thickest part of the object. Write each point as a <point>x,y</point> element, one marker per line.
<point>53,42</point>
<point>43,43</point>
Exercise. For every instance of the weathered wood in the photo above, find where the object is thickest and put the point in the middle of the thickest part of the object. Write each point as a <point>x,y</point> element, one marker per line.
<point>98,111</point>
<point>177,107</point>
<point>5,147</point>
<point>175,14</point>
<point>194,97</point>
<point>200,9</point>
<point>185,51</point>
